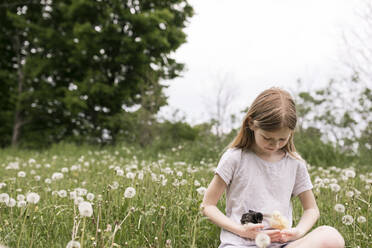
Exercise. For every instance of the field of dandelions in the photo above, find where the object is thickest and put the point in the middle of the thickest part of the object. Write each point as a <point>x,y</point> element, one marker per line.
<point>112,197</point>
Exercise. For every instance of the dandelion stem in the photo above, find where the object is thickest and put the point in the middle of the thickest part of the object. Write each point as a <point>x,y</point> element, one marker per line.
<point>23,225</point>
<point>82,234</point>
<point>117,227</point>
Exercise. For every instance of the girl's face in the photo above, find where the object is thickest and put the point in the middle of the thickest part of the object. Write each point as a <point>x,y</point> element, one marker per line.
<point>271,142</point>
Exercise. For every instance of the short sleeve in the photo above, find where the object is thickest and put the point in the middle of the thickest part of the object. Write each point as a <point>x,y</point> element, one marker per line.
<point>227,164</point>
<point>303,181</point>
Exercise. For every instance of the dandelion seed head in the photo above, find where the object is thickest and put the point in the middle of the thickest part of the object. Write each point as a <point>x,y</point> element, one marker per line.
<point>361,219</point>
<point>21,204</point>
<point>90,197</point>
<point>339,208</point>
<point>347,220</point>
<point>262,240</point>
<point>32,197</point>
<point>73,244</point>
<point>4,198</point>
<point>349,194</point>
<point>85,209</point>
<point>201,190</point>
<point>130,192</point>
<point>21,174</point>
<point>11,202</point>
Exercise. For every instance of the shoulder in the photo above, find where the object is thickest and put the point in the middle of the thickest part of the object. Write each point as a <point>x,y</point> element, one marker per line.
<point>232,153</point>
<point>231,157</point>
<point>297,161</point>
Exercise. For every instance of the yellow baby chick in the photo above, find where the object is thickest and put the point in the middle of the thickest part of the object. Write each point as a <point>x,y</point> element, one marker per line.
<point>278,221</point>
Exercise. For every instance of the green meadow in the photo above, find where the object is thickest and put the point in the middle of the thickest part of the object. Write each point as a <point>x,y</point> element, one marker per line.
<point>144,201</point>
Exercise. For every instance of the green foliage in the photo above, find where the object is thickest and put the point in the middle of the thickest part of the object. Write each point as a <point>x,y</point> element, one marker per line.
<point>71,67</point>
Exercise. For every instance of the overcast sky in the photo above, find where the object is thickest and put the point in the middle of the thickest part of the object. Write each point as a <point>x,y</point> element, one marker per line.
<point>252,45</point>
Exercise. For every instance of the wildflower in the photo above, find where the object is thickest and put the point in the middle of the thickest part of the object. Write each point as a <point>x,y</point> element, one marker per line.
<point>21,204</point>
<point>32,198</point>
<point>196,183</point>
<point>11,202</point>
<point>129,192</point>
<point>168,170</point>
<point>4,197</point>
<point>81,191</point>
<point>85,209</point>
<point>335,187</point>
<point>114,185</point>
<point>201,190</point>
<point>179,173</point>
<point>37,178</point>
<point>90,197</point>
<point>164,182</point>
<point>361,219</point>
<point>78,200</point>
<point>73,244</point>
<point>131,175</point>
<point>21,174</point>
<point>21,197</point>
<point>183,182</point>
<point>2,185</point>
<point>57,176</point>
<point>62,193</point>
<point>349,194</point>
<point>347,219</point>
<point>120,172</point>
<point>262,240</point>
<point>64,170</point>
<point>349,173</point>
<point>48,181</point>
<point>339,208</point>
<point>140,175</point>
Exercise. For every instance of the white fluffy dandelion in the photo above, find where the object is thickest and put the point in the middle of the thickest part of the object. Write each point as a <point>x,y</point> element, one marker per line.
<point>11,203</point>
<point>73,244</point>
<point>62,193</point>
<point>120,172</point>
<point>262,240</point>
<point>129,192</point>
<point>347,219</point>
<point>32,197</point>
<point>21,174</point>
<point>57,176</point>
<point>130,175</point>
<point>339,208</point>
<point>4,197</point>
<point>85,209</point>
<point>335,187</point>
<point>90,196</point>
<point>21,197</point>
<point>201,190</point>
<point>361,219</point>
<point>349,194</point>
<point>21,204</point>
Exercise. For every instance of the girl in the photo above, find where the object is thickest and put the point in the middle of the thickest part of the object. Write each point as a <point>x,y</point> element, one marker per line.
<point>261,172</point>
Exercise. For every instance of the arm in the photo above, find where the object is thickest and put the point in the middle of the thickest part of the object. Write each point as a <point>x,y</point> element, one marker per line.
<point>308,219</point>
<point>209,207</point>
<point>311,211</point>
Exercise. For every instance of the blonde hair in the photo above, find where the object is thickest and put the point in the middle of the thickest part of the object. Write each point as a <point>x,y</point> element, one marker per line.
<point>273,109</point>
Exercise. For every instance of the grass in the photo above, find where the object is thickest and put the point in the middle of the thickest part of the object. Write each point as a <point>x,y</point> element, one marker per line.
<point>165,209</point>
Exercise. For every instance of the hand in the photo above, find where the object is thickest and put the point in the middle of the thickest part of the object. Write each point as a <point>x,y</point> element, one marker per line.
<point>274,234</point>
<point>250,230</point>
<point>290,234</point>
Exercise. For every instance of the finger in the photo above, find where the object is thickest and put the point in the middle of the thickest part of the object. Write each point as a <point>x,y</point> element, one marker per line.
<point>270,232</point>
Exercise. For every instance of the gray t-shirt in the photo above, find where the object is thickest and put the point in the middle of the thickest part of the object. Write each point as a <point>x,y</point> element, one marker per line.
<point>259,185</point>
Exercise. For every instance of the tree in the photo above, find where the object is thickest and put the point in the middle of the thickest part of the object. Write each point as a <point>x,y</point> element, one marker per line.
<point>71,68</point>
